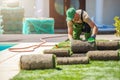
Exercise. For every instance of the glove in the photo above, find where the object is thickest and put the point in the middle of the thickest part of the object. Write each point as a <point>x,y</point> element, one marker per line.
<point>91,39</point>
<point>87,36</point>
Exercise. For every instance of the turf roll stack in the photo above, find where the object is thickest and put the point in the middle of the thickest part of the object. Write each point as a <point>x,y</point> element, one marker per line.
<point>58,52</point>
<point>38,61</point>
<point>103,55</point>
<point>107,45</point>
<point>72,60</point>
<point>78,46</point>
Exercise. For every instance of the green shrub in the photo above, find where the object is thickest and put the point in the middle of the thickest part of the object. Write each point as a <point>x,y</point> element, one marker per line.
<point>117,25</point>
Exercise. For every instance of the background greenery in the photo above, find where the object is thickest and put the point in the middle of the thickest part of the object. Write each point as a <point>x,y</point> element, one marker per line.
<point>117,25</point>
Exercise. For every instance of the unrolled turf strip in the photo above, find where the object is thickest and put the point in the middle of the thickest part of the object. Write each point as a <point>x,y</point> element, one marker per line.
<point>78,46</point>
<point>103,55</point>
<point>107,45</point>
<point>72,60</point>
<point>58,52</point>
<point>37,61</point>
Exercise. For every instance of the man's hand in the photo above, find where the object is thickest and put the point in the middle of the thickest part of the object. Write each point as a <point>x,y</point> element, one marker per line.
<point>91,39</point>
<point>71,40</point>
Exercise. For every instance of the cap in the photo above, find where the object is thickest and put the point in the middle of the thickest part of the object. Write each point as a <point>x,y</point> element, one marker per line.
<point>70,14</point>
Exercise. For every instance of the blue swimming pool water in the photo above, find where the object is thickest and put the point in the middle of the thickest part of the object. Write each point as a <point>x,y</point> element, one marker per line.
<point>5,46</point>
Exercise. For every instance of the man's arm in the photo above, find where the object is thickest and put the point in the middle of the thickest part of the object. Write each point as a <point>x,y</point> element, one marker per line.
<point>70,30</point>
<point>87,19</point>
<point>94,27</point>
<point>94,31</point>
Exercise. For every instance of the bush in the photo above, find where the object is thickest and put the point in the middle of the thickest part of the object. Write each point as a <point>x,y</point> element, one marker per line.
<point>117,25</point>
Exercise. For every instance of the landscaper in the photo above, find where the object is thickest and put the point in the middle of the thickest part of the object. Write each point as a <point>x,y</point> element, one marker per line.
<point>78,21</point>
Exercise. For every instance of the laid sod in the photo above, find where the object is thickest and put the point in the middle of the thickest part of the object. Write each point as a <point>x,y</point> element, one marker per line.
<point>62,45</point>
<point>96,70</point>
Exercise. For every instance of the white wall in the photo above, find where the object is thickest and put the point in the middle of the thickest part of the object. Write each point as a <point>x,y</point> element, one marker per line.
<point>35,8</point>
<point>46,8</point>
<point>29,7</point>
<point>110,10</point>
<point>42,8</point>
<point>90,7</point>
<point>0,2</point>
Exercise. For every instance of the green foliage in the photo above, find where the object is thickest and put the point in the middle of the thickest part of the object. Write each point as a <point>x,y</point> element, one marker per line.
<point>117,25</point>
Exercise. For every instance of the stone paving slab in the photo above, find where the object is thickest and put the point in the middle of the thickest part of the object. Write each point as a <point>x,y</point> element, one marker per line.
<point>9,61</point>
<point>19,38</point>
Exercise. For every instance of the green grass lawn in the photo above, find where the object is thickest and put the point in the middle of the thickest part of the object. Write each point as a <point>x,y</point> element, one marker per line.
<point>96,70</point>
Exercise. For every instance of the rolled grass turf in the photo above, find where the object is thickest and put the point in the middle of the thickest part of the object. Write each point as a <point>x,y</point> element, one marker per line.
<point>78,55</point>
<point>72,60</point>
<point>107,45</point>
<point>103,55</point>
<point>78,46</point>
<point>58,52</point>
<point>38,61</point>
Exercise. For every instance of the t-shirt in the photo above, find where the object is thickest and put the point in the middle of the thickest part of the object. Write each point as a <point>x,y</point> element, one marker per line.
<point>85,17</point>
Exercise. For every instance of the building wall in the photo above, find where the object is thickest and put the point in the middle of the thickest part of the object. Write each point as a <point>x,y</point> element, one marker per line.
<point>35,8</point>
<point>110,10</point>
<point>90,7</point>
<point>29,7</point>
<point>0,2</point>
<point>46,8</point>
